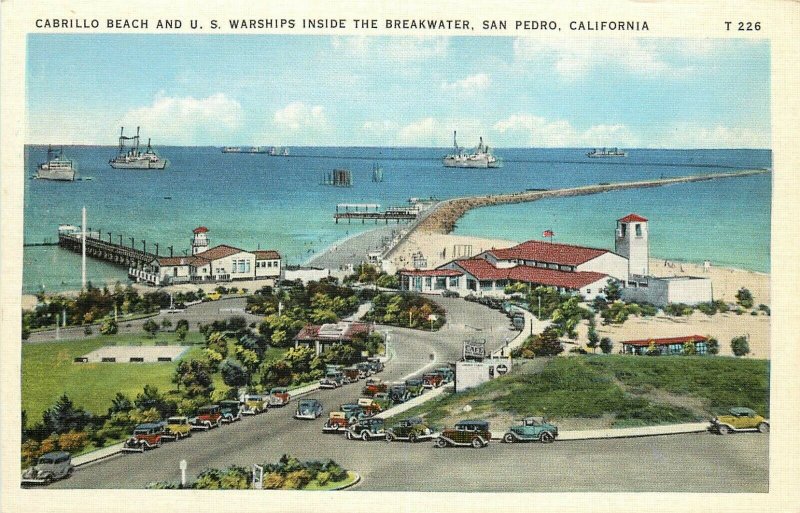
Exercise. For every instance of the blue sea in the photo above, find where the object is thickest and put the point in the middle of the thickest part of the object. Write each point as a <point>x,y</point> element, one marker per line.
<point>257,201</point>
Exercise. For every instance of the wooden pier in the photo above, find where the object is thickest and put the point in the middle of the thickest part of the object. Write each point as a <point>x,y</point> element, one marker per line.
<point>119,254</point>
<point>370,212</point>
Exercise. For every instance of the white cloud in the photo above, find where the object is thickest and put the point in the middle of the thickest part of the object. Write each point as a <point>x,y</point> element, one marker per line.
<point>577,56</point>
<point>468,85</point>
<point>394,48</point>
<point>419,133</point>
<point>298,115</point>
<point>432,132</point>
<point>187,120</point>
<point>529,130</point>
<point>688,135</point>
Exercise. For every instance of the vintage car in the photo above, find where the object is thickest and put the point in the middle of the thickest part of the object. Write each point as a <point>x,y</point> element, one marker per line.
<point>383,400</point>
<point>415,386</point>
<point>49,467</point>
<point>364,370</point>
<point>448,373</point>
<point>740,419</point>
<point>337,422</point>
<point>177,427</point>
<point>308,409</point>
<point>531,428</point>
<point>432,380</point>
<point>332,379</point>
<point>399,393</point>
<point>467,433</point>
<point>231,410</point>
<point>213,296</point>
<point>375,364</point>
<point>145,436</point>
<point>352,411</point>
<point>412,429</point>
<point>366,429</point>
<point>370,406</point>
<point>374,386</point>
<point>351,374</point>
<point>207,417</point>
<point>279,396</point>
<point>254,404</point>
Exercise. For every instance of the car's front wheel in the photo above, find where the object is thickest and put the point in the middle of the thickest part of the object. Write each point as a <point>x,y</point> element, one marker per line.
<point>763,427</point>
<point>477,443</point>
<point>441,443</point>
<point>412,438</point>
<point>364,436</point>
<point>546,437</point>
<point>509,438</point>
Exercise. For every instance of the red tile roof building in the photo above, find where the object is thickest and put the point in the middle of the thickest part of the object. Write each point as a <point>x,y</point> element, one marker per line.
<point>324,336</point>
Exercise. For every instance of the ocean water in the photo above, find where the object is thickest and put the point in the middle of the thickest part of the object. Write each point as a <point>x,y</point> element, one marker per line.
<point>256,201</point>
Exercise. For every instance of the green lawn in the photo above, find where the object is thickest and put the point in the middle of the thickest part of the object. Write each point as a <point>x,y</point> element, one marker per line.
<point>634,390</point>
<point>48,371</point>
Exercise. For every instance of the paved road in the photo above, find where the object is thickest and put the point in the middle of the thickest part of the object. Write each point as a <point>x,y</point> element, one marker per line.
<point>689,463</point>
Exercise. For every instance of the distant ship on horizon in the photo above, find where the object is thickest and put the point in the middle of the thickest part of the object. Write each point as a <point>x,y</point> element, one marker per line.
<point>132,158</point>
<point>481,157</point>
<point>57,167</point>
<point>606,152</point>
<point>277,151</point>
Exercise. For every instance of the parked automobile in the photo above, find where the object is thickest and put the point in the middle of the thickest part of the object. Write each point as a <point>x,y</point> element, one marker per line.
<point>376,365</point>
<point>308,409</point>
<point>518,321</point>
<point>370,406</point>
<point>333,379</point>
<point>213,296</point>
<point>177,427</point>
<point>531,428</point>
<point>366,429</point>
<point>432,380</point>
<point>374,386</point>
<point>412,429</point>
<point>231,410</point>
<point>49,467</point>
<point>279,396</point>
<point>467,433</point>
<point>383,400</point>
<point>337,422</point>
<point>449,293</point>
<point>352,411</point>
<point>351,374</point>
<point>364,370</point>
<point>254,404</point>
<point>740,419</point>
<point>399,393</point>
<point>448,373</point>
<point>415,386</point>
<point>145,436</point>
<point>207,417</point>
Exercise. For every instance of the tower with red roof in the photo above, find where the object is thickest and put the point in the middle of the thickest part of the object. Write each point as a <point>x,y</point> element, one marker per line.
<point>631,242</point>
<point>200,240</point>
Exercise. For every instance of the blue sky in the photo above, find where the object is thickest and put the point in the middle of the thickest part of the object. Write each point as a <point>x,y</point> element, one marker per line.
<point>399,91</point>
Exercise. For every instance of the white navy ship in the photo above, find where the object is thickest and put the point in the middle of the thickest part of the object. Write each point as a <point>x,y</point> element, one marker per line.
<point>606,152</point>
<point>57,167</point>
<point>481,157</point>
<point>132,158</point>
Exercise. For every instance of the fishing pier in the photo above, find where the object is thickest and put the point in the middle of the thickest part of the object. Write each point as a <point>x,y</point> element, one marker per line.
<point>110,251</point>
<point>369,211</point>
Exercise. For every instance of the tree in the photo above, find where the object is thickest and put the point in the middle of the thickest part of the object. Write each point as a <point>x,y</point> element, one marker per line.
<point>594,338</point>
<point>182,323</point>
<point>278,374</point>
<point>181,331</point>
<point>613,291</point>
<point>109,327</point>
<point>195,376</point>
<point>567,316</point>
<point>234,373</point>
<point>545,343</point>
<point>740,346</point>
<point>64,416</point>
<point>606,345</point>
<point>166,323</point>
<point>744,298</point>
<point>713,345</point>
<point>120,403</point>
<point>151,327</point>
<point>151,398</point>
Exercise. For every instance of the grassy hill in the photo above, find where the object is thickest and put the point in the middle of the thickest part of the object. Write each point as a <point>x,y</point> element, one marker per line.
<point>611,391</point>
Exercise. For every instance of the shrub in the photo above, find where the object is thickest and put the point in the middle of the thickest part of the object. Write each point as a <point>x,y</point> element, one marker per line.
<point>606,345</point>
<point>87,330</point>
<point>764,308</point>
<point>273,481</point>
<point>297,479</point>
<point>323,478</point>
<point>744,298</point>
<point>740,346</point>
<point>109,327</point>
<point>713,345</point>
<point>73,441</point>
<point>678,309</point>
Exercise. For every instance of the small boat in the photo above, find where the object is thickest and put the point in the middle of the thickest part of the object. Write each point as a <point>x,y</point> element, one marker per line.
<point>231,149</point>
<point>606,152</point>
<point>57,167</point>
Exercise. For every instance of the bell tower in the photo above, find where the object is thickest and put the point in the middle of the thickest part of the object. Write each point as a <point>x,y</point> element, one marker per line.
<point>631,242</point>
<point>200,240</point>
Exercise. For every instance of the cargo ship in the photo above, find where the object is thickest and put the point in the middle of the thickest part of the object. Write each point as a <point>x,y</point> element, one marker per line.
<point>57,167</point>
<point>132,158</point>
<point>481,157</point>
<point>605,152</point>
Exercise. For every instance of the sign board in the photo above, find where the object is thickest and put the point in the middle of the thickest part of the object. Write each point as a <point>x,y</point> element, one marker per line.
<point>501,369</point>
<point>474,349</point>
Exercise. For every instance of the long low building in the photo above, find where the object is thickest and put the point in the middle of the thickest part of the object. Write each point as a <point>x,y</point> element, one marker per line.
<point>666,346</point>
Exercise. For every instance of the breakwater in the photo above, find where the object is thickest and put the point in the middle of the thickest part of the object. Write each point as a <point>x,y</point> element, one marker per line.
<point>443,217</point>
